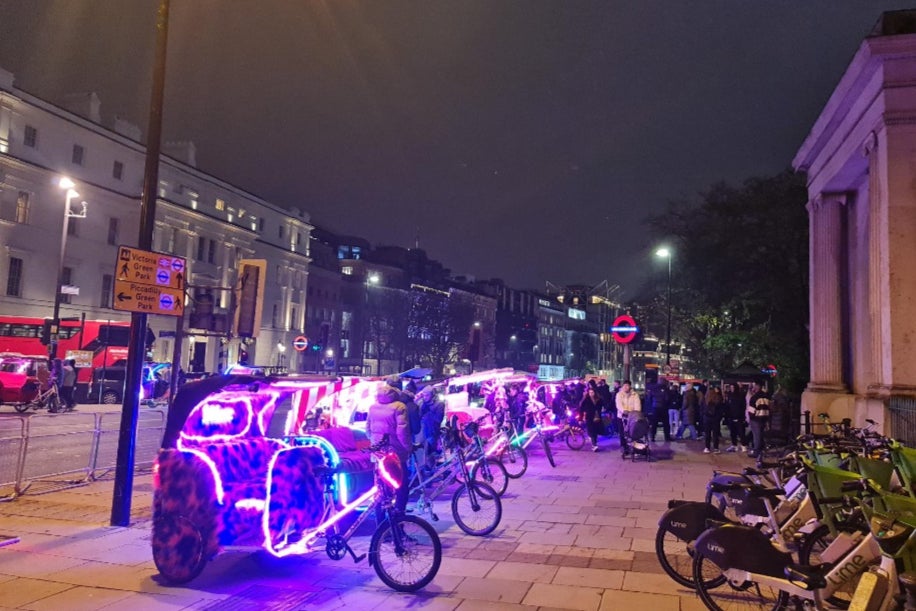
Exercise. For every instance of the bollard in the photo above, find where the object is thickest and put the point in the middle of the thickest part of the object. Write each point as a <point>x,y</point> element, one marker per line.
<point>806,418</point>
<point>908,584</point>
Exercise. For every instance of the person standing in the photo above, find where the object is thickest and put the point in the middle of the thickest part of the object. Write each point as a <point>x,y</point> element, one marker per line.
<point>590,413</point>
<point>689,404</point>
<point>68,383</point>
<point>674,407</point>
<point>657,410</point>
<point>734,418</point>
<point>758,414</point>
<point>388,416</point>
<point>627,401</point>
<point>713,409</point>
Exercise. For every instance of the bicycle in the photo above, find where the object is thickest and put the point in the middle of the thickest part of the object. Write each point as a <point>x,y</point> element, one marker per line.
<point>476,507</point>
<point>49,398</point>
<point>485,469</point>
<point>505,446</point>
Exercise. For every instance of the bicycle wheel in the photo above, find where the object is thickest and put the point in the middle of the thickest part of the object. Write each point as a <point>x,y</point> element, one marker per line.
<point>491,472</point>
<point>53,404</point>
<point>23,407</point>
<point>810,552</point>
<point>726,595</point>
<point>676,556</point>
<point>548,452</point>
<point>515,460</point>
<point>477,509</point>
<point>575,438</point>
<point>412,565</point>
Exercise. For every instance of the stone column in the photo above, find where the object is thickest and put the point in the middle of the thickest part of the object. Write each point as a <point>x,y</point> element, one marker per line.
<point>825,221</point>
<point>878,263</point>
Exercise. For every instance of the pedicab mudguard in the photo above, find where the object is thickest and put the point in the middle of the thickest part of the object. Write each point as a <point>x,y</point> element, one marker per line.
<point>688,520</point>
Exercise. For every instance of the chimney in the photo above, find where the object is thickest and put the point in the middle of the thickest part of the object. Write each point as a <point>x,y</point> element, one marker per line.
<point>181,150</point>
<point>6,80</point>
<point>127,129</point>
<point>86,105</point>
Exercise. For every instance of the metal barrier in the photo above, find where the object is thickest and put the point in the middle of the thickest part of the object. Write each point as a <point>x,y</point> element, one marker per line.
<point>902,410</point>
<point>49,452</point>
<point>12,448</point>
<point>150,428</point>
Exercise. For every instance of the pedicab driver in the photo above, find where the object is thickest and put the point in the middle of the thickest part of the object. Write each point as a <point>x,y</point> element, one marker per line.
<point>388,416</point>
<point>627,401</point>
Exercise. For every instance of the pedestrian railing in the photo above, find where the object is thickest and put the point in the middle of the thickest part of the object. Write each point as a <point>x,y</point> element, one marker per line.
<point>48,452</point>
<point>902,410</point>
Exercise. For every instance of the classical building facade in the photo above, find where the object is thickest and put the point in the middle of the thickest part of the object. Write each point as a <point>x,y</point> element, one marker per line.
<point>211,222</point>
<point>860,158</point>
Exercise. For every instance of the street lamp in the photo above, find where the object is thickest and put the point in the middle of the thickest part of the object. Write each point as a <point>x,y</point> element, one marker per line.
<point>281,348</point>
<point>666,253</point>
<point>371,280</point>
<point>63,183</point>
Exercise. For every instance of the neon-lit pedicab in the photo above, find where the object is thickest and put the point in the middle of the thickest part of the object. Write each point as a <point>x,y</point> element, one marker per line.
<point>233,472</point>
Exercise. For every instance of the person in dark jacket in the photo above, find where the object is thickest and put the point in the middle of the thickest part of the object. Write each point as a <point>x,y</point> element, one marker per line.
<point>713,410</point>
<point>758,414</point>
<point>590,413</point>
<point>388,416</point>
<point>657,410</point>
<point>690,402</point>
<point>734,417</point>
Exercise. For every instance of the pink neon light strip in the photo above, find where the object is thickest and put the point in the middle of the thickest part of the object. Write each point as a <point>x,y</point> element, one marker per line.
<point>387,476</point>
<point>218,481</point>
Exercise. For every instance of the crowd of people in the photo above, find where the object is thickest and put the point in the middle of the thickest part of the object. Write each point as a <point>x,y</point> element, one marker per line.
<point>63,373</point>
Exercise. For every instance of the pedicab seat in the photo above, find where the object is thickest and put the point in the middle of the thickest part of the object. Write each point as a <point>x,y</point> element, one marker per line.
<point>355,462</point>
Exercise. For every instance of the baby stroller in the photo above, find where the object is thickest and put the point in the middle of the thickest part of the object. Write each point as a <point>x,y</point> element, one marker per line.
<point>636,430</point>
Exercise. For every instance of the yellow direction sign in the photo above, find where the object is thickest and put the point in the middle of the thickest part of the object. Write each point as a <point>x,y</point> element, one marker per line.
<point>146,267</point>
<point>150,299</point>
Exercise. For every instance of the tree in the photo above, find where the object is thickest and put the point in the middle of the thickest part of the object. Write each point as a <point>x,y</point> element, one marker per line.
<point>387,325</point>
<point>438,327</point>
<point>741,281</point>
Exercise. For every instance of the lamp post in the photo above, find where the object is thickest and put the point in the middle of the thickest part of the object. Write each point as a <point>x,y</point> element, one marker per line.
<point>371,279</point>
<point>666,253</point>
<point>63,183</point>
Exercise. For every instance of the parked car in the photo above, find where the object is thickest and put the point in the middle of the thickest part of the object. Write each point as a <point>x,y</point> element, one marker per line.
<point>18,381</point>
<point>107,385</point>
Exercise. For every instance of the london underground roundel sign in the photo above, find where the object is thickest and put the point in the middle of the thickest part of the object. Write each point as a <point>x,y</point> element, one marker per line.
<point>624,329</point>
<point>300,343</point>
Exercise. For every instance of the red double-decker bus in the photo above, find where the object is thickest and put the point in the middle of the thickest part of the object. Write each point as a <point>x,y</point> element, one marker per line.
<point>107,340</point>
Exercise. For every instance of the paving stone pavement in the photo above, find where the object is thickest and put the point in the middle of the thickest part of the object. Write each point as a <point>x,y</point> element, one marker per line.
<point>580,536</point>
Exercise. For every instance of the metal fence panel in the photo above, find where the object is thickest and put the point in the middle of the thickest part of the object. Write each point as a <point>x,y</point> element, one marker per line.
<point>902,411</point>
<point>150,428</point>
<point>12,447</point>
<point>58,451</point>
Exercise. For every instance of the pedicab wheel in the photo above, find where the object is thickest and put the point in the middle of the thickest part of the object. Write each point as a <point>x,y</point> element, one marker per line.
<point>54,404</point>
<point>22,407</point>
<point>476,509</point>
<point>721,594</point>
<point>494,474</point>
<point>675,555</point>
<point>515,460</point>
<point>413,565</point>
<point>575,438</point>
<point>548,452</point>
<point>178,548</point>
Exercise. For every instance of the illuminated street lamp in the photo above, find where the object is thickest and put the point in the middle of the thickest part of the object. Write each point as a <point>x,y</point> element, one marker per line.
<point>371,280</point>
<point>666,253</point>
<point>281,348</point>
<point>63,183</point>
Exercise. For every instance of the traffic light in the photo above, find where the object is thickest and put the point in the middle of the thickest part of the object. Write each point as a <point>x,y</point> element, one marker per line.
<point>316,347</point>
<point>46,332</point>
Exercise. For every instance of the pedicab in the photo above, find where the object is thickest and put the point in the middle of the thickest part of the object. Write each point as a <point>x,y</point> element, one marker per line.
<point>18,382</point>
<point>234,472</point>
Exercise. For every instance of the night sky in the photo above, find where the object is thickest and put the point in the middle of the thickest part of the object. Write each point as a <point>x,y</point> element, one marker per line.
<point>524,140</point>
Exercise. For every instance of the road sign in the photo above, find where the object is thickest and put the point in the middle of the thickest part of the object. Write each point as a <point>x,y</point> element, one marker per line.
<point>153,268</point>
<point>147,298</point>
<point>300,343</point>
<point>83,358</point>
<point>624,329</point>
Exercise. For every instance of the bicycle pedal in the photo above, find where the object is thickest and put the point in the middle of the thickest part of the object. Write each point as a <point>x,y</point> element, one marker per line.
<point>435,517</point>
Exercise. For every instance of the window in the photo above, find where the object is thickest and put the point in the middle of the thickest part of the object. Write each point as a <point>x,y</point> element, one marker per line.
<point>298,238</point>
<point>117,171</point>
<point>77,157</point>
<point>280,232</point>
<point>105,297</point>
<point>30,138</point>
<point>172,240</point>
<point>66,279</point>
<point>274,316</point>
<point>220,204</point>
<point>346,270</point>
<point>261,224</point>
<point>201,247</point>
<point>112,230</point>
<point>211,252</point>
<point>22,207</point>
<point>294,321</point>
<point>14,279</point>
